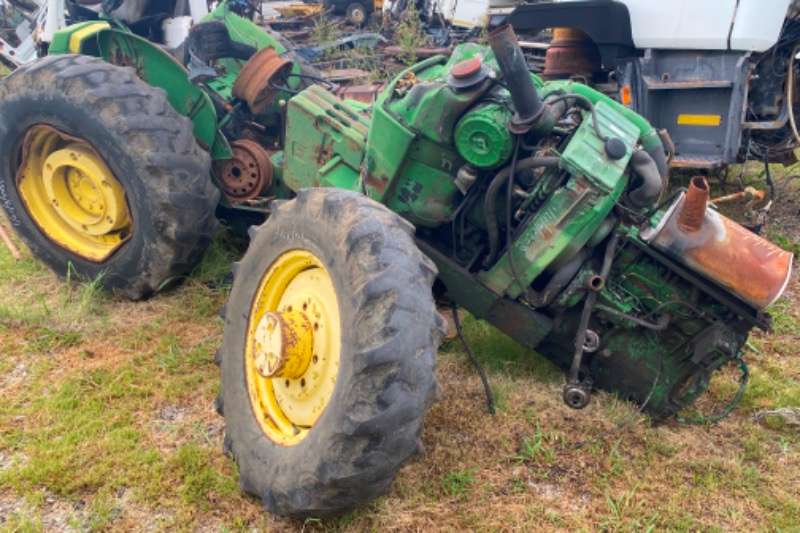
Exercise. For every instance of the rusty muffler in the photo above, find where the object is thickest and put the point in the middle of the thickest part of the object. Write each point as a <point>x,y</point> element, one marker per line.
<point>748,265</point>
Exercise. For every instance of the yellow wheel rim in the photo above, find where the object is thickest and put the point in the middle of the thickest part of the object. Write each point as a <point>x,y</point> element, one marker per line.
<point>293,344</point>
<point>72,195</point>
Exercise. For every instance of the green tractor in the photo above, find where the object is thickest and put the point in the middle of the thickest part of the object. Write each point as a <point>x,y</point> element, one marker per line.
<point>543,208</point>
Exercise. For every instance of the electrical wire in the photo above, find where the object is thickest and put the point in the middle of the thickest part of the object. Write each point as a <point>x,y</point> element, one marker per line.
<point>487,389</point>
<point>586,104</point>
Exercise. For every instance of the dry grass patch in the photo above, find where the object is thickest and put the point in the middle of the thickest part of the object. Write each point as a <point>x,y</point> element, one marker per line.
<point>106,423</point>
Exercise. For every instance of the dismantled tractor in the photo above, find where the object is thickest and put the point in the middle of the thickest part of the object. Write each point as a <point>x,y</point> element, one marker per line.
<point>542,208</point>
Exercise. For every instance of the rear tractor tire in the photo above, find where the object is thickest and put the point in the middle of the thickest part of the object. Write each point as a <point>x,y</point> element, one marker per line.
<point>328,354</point>
<point>101,177</point>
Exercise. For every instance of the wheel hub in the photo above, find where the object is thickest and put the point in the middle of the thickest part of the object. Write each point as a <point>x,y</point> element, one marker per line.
<point>72,195</point>
<point>293,345</point>
<point>77,186</point>
<point>284,345</point>
<point>247,174</point>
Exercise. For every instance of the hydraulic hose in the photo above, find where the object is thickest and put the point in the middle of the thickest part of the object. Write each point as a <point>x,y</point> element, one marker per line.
<point>490,199</point>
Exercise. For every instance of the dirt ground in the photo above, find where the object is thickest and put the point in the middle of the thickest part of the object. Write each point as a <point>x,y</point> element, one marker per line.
<point>107,423</point>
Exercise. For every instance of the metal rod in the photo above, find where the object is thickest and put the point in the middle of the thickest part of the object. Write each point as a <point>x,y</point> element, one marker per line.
<point>588,307</point>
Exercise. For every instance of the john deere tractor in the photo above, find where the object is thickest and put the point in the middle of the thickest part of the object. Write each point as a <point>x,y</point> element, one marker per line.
<point>543,208</point>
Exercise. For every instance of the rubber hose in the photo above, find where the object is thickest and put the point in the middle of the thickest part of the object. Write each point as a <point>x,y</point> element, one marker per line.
<point>559,280</point>
<point>652,185</point>
<point>490,200</point>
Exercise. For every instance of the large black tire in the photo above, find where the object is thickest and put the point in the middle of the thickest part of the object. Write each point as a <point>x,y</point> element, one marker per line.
<point>147,144</point>
<point>390,334</point>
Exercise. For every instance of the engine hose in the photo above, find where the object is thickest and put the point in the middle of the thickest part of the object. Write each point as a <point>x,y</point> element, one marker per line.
<point>558,281</point>
<point>490,200</point>
<point>659,156</point>
<point>584,103</point>
<point>652,187</point>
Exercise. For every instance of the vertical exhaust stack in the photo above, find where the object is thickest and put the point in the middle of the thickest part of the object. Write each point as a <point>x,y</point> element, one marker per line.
<point>529,107</point>
<point>693,211</point>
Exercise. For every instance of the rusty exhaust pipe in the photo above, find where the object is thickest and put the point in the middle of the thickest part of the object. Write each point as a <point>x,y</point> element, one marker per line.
<point>693,212</point>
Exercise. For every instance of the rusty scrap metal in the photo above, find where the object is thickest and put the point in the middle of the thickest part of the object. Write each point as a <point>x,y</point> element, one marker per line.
<point>750,194</point>
<point>247,174</point>
<point>751,267</point>
<point>299,10</point>
<point>571,53</point>
<point>257,78</point>
<point>360,93</point>
<point>693,211</point>
<point>345,74</point>
<point>421,53</point>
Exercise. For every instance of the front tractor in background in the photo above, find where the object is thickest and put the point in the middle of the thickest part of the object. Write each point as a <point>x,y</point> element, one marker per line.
<point>540,207</point>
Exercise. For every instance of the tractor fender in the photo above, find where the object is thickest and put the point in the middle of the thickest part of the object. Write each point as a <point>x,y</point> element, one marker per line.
<point>154,66</point>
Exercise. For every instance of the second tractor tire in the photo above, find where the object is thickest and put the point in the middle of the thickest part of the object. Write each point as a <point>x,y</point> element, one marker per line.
<point>149,147</point>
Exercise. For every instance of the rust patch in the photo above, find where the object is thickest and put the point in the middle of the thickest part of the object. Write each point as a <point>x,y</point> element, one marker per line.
<point>247,174</point>
<point>376,183</point>
<point>360,93</point>
<point>258,77</point>
<point>693,212</point>
<point>751,267</point>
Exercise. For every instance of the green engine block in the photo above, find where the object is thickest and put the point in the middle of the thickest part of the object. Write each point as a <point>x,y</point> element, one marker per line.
<point>434,152</point>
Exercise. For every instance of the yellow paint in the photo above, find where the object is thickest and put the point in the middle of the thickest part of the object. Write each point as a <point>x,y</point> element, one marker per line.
<point>72,195</point>
<point>284,344</point>
<point>296,291</point>
<point>77,38</point>
<point>699,120</point>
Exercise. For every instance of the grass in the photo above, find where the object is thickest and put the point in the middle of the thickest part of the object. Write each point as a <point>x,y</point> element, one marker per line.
<point>107,424</point>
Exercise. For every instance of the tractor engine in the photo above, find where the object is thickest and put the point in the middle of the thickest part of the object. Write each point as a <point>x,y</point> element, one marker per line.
<point>546,209</point>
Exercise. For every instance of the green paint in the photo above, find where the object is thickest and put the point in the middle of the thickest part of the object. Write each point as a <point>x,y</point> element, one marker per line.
<point>574,212</point>
<point>482,137</point>
<point>585,155</point>
<point>325,141</point>
<point>158,68</point>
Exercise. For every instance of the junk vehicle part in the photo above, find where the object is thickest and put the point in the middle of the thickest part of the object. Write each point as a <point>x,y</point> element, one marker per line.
<point>540,204</point>
<point>552,227</point>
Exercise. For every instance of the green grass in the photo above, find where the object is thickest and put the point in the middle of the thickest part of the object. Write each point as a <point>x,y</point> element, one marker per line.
<point>458,483</point>
<point>106,424</point>
<point>500,353</point>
